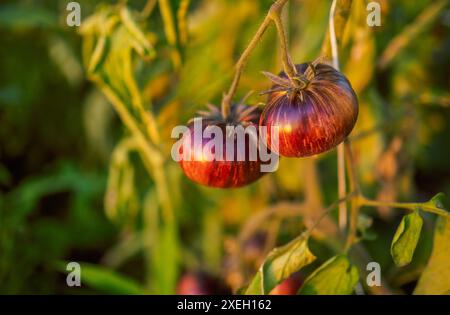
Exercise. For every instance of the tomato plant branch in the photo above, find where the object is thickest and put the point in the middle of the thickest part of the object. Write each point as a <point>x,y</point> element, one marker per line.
<point>148,9</point>
<point>170,31</point>
<point>333,39</point>
<point>328,209</point>
<point>182,21</point>
<point>281,209</point>
<point>342,218</point>
<point>351,166</point>
<point>354,186</point>
<point>424,206</point>
<point>341,13</point>
<point>289,67</point>
<point>239,67</point>
<point>151,156</point>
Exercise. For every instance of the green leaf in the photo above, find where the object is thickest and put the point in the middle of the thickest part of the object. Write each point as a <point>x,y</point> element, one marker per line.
<point>140,43</point>
<point>280,264</point>
<point>121,198</point>
<point>98,55</point>
<point>26,17</point>
<point>335,276</point>
<point>406,238</point>
<point>435,279</point>
<point>437,201</point>
<point>105,280</point>
<point>162,248</point>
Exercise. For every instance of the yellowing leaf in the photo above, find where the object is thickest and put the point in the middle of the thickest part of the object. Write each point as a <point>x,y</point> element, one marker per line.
<point>121,200</point>
<point>280,264</point>
<point>435,278</point>
<point>335,276</point>
<point>406,238</point>
<point>139,41</point>
<point>436,201</point>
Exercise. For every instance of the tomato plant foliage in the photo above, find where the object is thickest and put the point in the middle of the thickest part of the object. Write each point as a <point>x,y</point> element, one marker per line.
<point>86,174</point>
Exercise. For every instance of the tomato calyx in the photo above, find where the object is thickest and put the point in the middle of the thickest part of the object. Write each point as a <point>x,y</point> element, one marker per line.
<point>292,86</point>
<point>239,114</point>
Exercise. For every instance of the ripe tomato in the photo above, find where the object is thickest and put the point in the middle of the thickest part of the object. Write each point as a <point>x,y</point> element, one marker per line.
<point>214,169</point>
<point>314,117</point>
<point>200,283</point>
<point>289,286</point>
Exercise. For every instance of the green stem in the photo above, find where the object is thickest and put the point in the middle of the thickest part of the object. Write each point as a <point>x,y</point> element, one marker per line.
<point>170,31</point>
<point>289,67</point>
<point>182,21</point>
<point>342,189</point>
<point>327,210</point>
<point>404,205</point>
<point>226,101</point>
<point>341,13</point>
<point>151,156</point>
<point>148,9</point>
<point>354,186</point>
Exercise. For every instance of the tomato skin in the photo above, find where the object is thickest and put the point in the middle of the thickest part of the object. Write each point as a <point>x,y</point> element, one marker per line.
<point>314,120</point>
<point>221,173</point>
<point>200,283</point>
<point>289,286</point>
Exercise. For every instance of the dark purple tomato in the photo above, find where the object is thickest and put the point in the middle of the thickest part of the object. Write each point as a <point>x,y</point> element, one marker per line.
<point>314,117</point>
<point>223,172</point>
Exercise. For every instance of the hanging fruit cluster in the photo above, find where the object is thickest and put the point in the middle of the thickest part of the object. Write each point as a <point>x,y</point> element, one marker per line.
<point>312,106</point>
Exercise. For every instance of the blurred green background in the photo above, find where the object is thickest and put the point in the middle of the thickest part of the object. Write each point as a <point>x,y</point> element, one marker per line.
<point>77,185</point>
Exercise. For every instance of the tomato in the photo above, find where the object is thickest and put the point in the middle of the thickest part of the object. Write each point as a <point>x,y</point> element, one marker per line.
<point>311,118</point>
<point>200,283</point>
<point>214,169</point>
<point>289,286</point>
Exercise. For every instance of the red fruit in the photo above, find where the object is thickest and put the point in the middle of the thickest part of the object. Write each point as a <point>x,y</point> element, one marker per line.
<point>223,173</point>
<point>289,286</point>
<point>312,117</point>
<point>200,283</point>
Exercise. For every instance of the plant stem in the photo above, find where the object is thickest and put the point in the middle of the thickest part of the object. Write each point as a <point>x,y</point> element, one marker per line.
<point>151,156</point>
<point>289,67</point>
<point>341,13</point>
<point>354,186</point>
<point>182,23</point>
<point>342,218</point>
<point>327,210</point>
<point>170,31</point>
<point>404,205</point>
<point>226,101</point>
<point>351,166</point>
<point>333,40</point>
<point>148,9</point>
